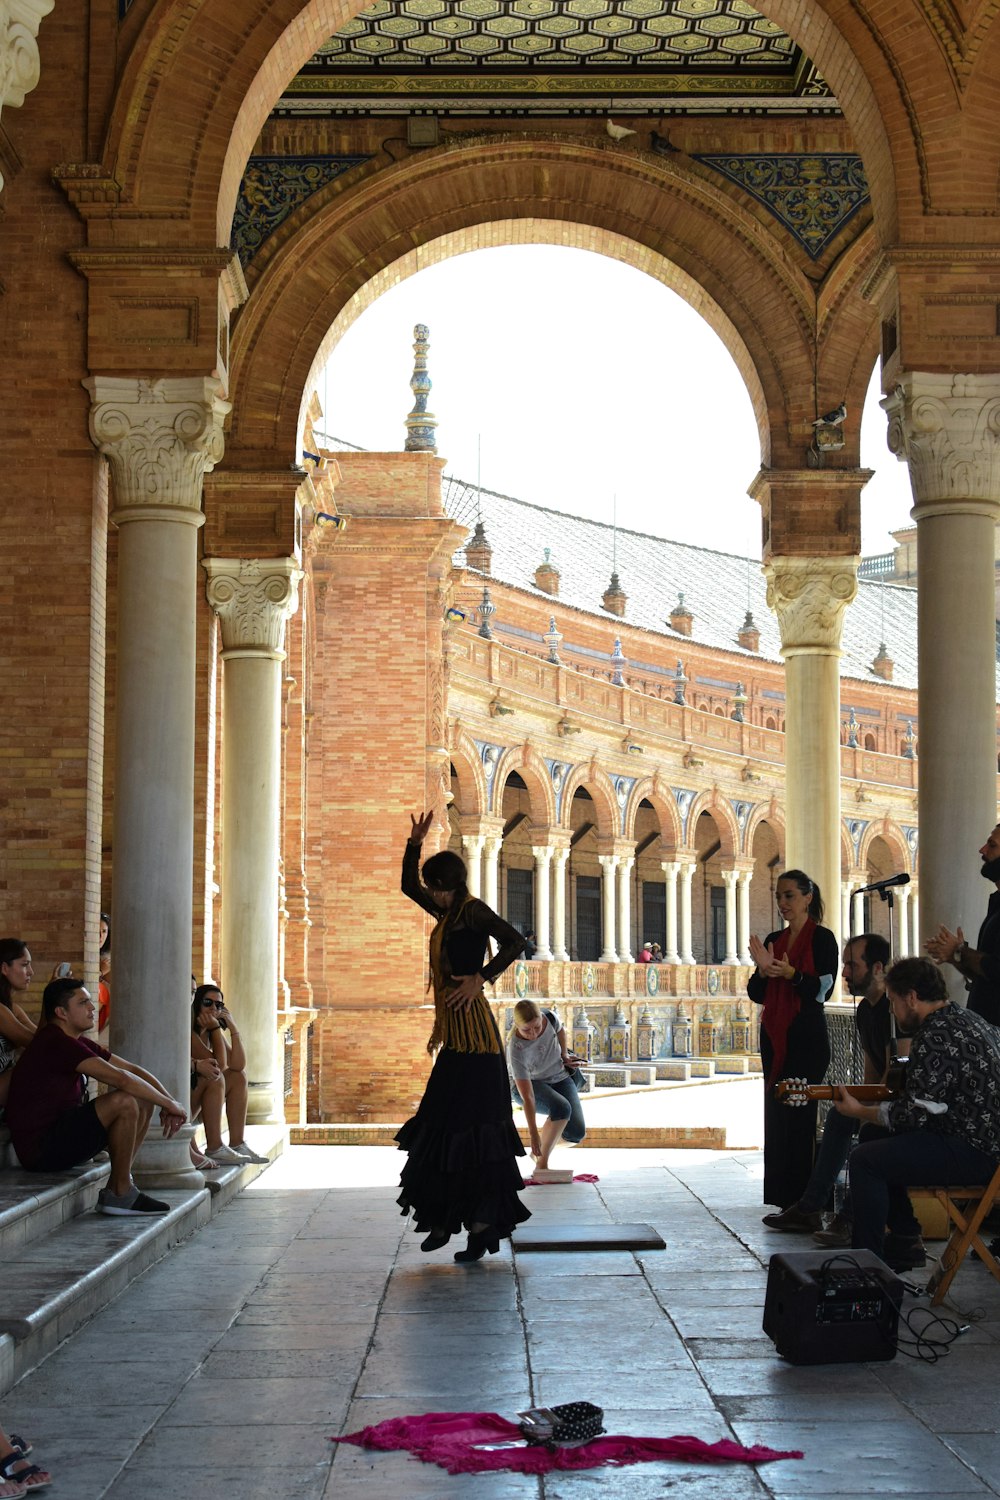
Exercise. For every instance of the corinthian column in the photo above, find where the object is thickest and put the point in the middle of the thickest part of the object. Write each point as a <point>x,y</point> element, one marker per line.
<point>560,857</point>
<point>947,428</point>
<point>626,864</point>
<point>543,858</point>
<point>253,600</point>
<point>809,596</point>
<point>160,438</point>
<point>671,869</point>
<point>20,65</point>
<point>608,863</point>
<point>730,877</point>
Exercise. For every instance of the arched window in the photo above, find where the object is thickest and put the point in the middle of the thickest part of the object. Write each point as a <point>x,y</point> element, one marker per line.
<point>870,742</point>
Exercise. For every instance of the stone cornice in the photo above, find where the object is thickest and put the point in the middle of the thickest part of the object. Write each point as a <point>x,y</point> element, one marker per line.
<point>160,438</point>
<point>160,259</point>
<point>947,429</point>
<point>253,598</point>
<point>20,63</point>
<point>809,596</point>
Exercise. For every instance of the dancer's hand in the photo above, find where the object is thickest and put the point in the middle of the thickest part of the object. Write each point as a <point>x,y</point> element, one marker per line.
<point>420,827</point>
<point>943,946</point>
<point>466,988</point>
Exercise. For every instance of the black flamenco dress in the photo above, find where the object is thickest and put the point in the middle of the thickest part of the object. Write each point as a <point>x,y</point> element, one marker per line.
<point>461,1143</point>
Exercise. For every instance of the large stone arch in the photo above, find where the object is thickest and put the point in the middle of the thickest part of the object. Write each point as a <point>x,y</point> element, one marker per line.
<point>771,814</point>
<point>722,816</point>
<point>535,774</point>
<point>470,774</point>
<point>696,236</point>
<point>889,831</point>
<point>601,789</point>
<point>664,803</point>
<point>254,47</point>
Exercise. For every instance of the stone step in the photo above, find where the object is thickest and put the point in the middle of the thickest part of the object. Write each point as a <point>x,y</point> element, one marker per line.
<point>63,1262</point>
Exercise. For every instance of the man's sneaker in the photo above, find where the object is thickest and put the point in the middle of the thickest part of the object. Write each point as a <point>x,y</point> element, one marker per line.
<point>837,1235</point>
<point>904,1252</point>
<point>133,1205</point>
<point>248,1154</point>
<point>225,1156</point>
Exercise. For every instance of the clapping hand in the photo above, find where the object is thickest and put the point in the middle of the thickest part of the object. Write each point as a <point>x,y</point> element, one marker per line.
<point>420,827</point>
<point>944,944</point>
<point>767,964</point>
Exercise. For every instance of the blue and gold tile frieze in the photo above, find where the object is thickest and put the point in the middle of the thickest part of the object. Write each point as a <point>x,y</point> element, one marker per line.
<point>273,187</point>
<point>813,196</point>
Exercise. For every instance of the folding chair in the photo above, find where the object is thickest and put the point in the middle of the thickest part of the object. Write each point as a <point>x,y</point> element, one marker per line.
<point>966,1208</point>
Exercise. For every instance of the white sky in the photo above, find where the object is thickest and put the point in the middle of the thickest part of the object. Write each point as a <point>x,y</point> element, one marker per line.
<point>581,379</point>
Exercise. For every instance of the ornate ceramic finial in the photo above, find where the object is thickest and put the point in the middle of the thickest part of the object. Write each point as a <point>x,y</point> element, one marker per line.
<point>486,609</point>
<point>852,729</point>
<point>680,683</point>
<point>420,424</point>
<point>909,742</point>
<point>552,639</point>
<point>739,703</point>
<point>617,662</point>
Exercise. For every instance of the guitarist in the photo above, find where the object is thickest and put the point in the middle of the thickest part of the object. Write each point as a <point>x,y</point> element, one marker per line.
<point>866,958</point>
<point>945,1126</point>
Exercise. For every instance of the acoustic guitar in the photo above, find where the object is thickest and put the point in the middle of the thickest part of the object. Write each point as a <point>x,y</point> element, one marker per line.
<point>797,1091</point>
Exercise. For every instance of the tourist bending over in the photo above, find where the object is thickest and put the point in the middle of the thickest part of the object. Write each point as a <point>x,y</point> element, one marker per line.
<point>16,1030</point>
<point>544,1074</point>
<point>215,1038</point>
<point>55,1126</point>
<point>461,1143</point>
<point>795,971</point>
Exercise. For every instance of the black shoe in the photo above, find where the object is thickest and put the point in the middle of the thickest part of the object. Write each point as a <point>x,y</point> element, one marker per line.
<point>480,1240</point>
<point>904,1252</point>
<point>795,1219</point>
<point>436,1239</point>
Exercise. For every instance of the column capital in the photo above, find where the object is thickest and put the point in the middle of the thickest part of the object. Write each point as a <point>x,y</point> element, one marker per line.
<point>542,852</point>
<point>730,877</point>
<point>671,868</point>
<point>809,596</point>
<point>160,437</point>
<point>608,861</point>
<point>253,598</point>
<point>20,64</point>
<point>947,428</point>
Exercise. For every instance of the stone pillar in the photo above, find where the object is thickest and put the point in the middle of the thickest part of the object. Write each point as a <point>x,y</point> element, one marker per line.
<point>671,870</point>
<point>492,844</point>
<point>160,437</point>
<point>730,877</point>
<point>543,857</point>
<point>809,596</point>
<point>915,944</point>
<point>902,937</point>
<point>20,64</point>
<point>253,599</point>
<point>845,909</point>
<point>743,915</point>
<point>559,863</point>
<point>608,863</point>
<point>687,877</point>
<point>472,852</point>
<point>947,428</point>
<point>626,864</point>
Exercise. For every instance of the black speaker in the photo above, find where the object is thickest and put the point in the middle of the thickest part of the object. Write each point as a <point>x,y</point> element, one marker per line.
<point>832,1307</point>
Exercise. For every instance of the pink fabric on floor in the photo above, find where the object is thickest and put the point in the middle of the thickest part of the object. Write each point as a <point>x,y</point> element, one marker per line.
<point>452,1440</point>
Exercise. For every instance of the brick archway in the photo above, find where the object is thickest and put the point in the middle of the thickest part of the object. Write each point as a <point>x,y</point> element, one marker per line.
<point>683,229</point>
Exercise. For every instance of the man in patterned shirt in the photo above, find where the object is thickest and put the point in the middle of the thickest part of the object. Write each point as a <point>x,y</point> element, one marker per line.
<point>944,1128</point>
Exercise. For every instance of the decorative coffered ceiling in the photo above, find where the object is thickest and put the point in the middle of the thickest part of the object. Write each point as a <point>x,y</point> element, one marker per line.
<point>557,57</point>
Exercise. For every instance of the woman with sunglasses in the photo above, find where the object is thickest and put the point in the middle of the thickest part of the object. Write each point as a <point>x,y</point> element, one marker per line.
<point>461,1143</point>
<point>219,1077</point>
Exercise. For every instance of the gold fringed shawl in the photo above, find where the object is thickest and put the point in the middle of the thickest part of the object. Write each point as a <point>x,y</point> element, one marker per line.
<point>470,1030</point>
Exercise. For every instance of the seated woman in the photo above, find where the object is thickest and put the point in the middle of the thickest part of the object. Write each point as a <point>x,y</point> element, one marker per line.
<point>544,1075</point>
<point>16,1029</point>
<point>218,1076</point>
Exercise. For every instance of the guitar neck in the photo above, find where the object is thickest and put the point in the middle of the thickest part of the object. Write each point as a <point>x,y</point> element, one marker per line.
<point>868,1093</point>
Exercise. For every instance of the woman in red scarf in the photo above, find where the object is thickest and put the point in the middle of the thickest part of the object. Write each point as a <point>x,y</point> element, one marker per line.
<point>795,971</point>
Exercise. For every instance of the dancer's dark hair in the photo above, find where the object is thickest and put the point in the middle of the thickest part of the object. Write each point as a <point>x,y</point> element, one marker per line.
<point>808,888</point>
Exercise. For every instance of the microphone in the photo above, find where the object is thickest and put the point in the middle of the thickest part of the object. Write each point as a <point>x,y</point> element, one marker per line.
<point>883,885</point>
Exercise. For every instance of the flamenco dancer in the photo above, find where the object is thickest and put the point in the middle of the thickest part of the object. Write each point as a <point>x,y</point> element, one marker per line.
<point>461,1142</point>
<point>795,971</point>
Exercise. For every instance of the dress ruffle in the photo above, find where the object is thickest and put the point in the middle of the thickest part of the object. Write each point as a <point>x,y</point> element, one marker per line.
<point>462,1148</point>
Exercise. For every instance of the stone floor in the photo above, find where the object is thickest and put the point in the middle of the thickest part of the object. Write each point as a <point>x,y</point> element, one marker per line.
<point>303,1309</point>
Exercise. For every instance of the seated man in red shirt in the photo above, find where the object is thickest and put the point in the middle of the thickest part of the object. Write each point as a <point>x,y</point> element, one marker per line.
<point>55,1126</point>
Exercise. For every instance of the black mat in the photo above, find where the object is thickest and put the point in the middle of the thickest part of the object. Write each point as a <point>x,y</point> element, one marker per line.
<point>574,1236</point>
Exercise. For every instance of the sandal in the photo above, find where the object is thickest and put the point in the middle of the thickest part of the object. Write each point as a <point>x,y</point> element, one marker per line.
<point>27,1475</point>
<point>24,1446</point>
<point>11,1490</point>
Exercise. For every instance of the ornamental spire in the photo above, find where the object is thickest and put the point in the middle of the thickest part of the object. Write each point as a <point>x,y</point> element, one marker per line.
<point>420,424</point>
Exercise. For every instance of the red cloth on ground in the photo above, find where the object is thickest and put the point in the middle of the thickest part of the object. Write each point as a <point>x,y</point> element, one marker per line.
<point>781,1003</point>
<point>451,1440</point>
